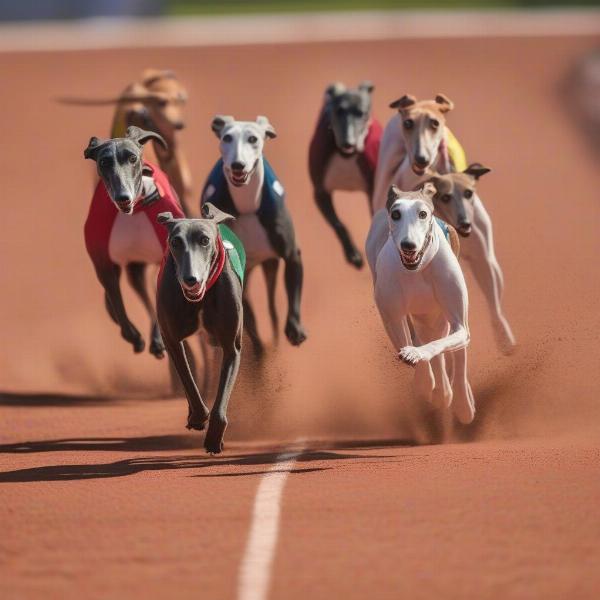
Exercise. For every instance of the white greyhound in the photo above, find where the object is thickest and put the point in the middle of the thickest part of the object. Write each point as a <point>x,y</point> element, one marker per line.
<point>416,275</point>
<point>416,143</point>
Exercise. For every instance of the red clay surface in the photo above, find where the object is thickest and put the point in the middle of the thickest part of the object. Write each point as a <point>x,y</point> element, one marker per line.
<point>104,494</point>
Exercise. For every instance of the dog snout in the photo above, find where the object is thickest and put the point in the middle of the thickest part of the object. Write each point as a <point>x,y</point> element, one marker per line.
<point>179,125</point>
<point>408,246</point>
<point>123,197</point>
<point>421,160</point>
<point>238,166</point>
<point>191,280</point>
<point>348,145</point>
<point>464,227</point>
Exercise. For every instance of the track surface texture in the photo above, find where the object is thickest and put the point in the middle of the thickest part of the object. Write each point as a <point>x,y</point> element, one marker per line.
<point>104,494</point>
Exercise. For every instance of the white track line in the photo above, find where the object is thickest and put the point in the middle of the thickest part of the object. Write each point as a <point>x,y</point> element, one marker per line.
<point>94,34</point>
<point>255,569</point>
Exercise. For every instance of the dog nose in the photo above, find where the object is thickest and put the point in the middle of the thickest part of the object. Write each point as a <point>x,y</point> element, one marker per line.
<point>123,197</point>
<point>408,245</point>
<point>347,146</point>
<point>179,125</point>
<point>237,166</point>
<point>190,280</point>
<point>421,161</point>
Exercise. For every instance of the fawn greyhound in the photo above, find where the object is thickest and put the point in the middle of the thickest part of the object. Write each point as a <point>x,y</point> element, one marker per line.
<point>416,145</point>
<point>121,230</point>
<point>343,154</point>
<point>154,103</point>
<point>416,275</point>
<point>243,184</point>
<point>200,285</point>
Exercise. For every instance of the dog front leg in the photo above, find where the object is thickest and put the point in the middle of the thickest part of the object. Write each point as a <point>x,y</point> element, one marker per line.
<point>294,330</point>
<point>463,403</point>
<point>198,411</point>
<point>217,424</point>
<point>325,204</point>
<point>110,279</point>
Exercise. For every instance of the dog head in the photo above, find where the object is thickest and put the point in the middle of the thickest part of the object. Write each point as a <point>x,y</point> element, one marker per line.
<point>455,195</point>
<point>193,245</point>
<point>410,217</point>
<point>241,145</point>
<point>156,102</point>
<point>349,114</point>
<point>423,125</point>
<point>120,166</point>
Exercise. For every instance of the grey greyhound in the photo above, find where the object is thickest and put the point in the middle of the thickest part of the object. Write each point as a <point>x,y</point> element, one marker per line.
<point>343,154</point>
<point>201,284</point>
<point>121,230</point>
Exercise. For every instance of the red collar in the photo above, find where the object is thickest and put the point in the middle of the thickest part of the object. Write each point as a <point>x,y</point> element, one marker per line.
<point>217,267</point>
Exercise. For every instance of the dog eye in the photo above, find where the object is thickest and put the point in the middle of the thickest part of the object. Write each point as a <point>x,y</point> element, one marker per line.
<point>227,138</point>
<point>359,113</point>
<point>396,214</point>
<point>422,214</point>
<point>408,123</point>
<point>434,123</point>
<point>204,241</point>
<point>468,194</point>
<point>133,159</point>
<point>446,198</point>
<point>252,139</point>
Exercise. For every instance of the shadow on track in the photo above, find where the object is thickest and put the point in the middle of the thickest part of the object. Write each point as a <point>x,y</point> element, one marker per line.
<point>132,466</point>
<point>51,399</point>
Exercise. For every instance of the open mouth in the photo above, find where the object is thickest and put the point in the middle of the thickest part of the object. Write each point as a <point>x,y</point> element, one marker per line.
<point>412,259</point>
<point>239,177</point>
<point>348,150</point>
<point>418,170</point>
<point>464,231</point>
<point>194,293</point>
<point>125,206</point>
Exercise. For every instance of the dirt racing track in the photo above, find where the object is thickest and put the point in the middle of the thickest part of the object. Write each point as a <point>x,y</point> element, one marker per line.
<point>333,483</point>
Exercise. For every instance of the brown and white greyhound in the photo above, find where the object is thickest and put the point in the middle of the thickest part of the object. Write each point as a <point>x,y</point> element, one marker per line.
<point>154,103</point>
<point>418,145</point>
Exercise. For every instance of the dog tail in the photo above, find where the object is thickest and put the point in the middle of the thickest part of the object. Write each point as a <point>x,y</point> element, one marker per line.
<point>270,268</point>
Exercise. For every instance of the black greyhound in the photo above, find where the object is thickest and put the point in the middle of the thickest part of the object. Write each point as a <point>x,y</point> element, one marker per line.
<point>201,284</point>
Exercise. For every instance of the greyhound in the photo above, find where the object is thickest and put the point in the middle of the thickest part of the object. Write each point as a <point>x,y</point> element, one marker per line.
<point>416,275</point>
<point>242,183</point>
<point>120,230</point>
<point>343,154</point>
<point>457,202</point>
<point>154,103</point>
<point>417,144</point>
<point>201,283</point>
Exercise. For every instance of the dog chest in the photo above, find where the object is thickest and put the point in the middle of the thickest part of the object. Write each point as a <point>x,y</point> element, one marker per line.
<point>343,173</point>
<point>133,239</point>
<point>254,238</point>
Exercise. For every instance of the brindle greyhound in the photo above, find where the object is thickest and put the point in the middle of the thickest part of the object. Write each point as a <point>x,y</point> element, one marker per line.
<point>198,285</point>
<point>242,183</point>
<point>417,143</point>
<point>343,154</point>
<point>120,231</point>
<point>154,103</point>
<point>455,201</point>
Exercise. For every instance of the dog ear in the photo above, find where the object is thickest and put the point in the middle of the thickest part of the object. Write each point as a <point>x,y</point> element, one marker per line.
<point>141,136</point>
<point>367,86</point>
<point>219,122</point>
<point>269,129</point>
<point>334,89</point>
<point>429,190</point>
<point>476,170</point>
<point>445,103</point>
<point>436,182</point>
<point>150,76</point>
<point>211,212</point>
<point>92,149</point>
<point>404,102</point>
<point>393,195</point>
<point>164,218</point>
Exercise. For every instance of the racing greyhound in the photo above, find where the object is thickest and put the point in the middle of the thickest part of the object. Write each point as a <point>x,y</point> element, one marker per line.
<point>416,275</point>
<point>121,230</point>
<point>243,184</point>
<point>154,103</point>
<point>416,144</point>
<point>456,201</point>
<point>200,283</point>
<point>343,154</point>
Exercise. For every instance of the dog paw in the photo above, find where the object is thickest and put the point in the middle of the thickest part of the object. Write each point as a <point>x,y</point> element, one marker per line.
<point>294,332</point>
<point>463,405</point>
<point>213,443</point>
<point>134,337</point>
<point>410,355</point>
<point>197,422</point>
<point>355,259</point>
